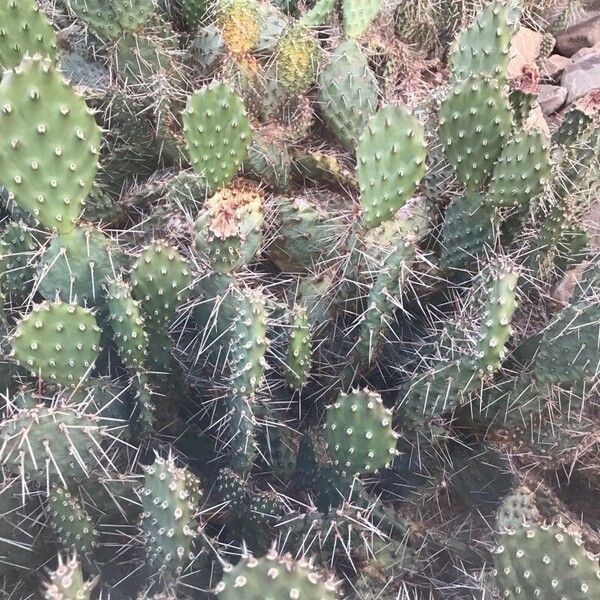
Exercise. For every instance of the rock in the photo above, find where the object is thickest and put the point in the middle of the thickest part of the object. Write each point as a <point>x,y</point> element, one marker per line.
<point>554,65</point>
<point>595,49</point>
<point>524,50</point>
<point>583,34</point>
<point>551,98</point>
<point>581,77</point>
<point>536,120</point>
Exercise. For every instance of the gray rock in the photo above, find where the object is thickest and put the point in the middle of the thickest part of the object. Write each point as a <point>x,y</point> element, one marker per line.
<point>554,65</point>
<point>551,98</point>
<point>582,34</point>
<point>582,76</point>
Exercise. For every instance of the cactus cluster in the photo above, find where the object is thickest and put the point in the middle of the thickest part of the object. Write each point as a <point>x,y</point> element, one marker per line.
<point>279,304</point>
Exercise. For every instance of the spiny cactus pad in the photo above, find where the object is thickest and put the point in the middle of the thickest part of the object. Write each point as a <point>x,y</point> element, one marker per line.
<point>475,119</point>
<point>49,144</point>
<point>71,523</point>
<point>359,433</point>
<point>24,30</point>
<point>240,26</point>
<point>545,561</point>
<point>296,60</point>
<point>170,499</point>
<point>58,342</point>
<point>299,348</point>
<point>51,445</point>
<point>390,163</point>
<point>276,577</point>
<point>501,304</point>
<point>484,46</point>
<point>348,93</point>
<point>229,228</point>
<point>18,247</point>
<point>521,172</point>
<point>217,133</point>
<point>358,15</point>
<point>127,324</point>
<point>76,266</point>
<point>66,582</point>
<point>160,280</point>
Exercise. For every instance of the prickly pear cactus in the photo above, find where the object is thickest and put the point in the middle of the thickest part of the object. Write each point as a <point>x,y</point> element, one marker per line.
<point>217,133</point>
<point>50,144</point>
<point>278,577</point>
<point>288,279</point>
<point>359,433</point>
<point>390,163</point>
<point>57,342</point>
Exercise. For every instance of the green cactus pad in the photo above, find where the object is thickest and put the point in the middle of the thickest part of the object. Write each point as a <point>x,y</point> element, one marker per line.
<point>133,15</point>
<point>160,279</point>
<point>57,342</point>
<point>358,15</point>
<point>51,445</point>
<point>127,325</point>
<point>24,30</point>
<point>359,434</point>
<point>229,228</point>
<point>469,231</point>
<point>230,488</point>
<point>18,248</point>
<point>217,134</point>
<point>66,582</point>
<point>568,351</point>
<point>308,232</point>
<point>545,561</point>
<point>318,14</point>
<point>390,163</point>
<point>241,431</point>
<point>388,285</point>
<point>521,171</point>
<point>438,390</point>
<point>100,17</point>
<point>474,119</point>
<point>194,12</point>
<point>517,510</point>
<point>348,93</point>
<point>484,46</point>
<point>501,304</point>
<point>574,127</point>
<point>49,144</point>
<point>277,577</point>
<point>76,266</point>
<point>299,349</point>
<point>71,523</point>
<point>249,343</point>
<point>269,161</point>
<point>296,60</point>
<point>170,498</point>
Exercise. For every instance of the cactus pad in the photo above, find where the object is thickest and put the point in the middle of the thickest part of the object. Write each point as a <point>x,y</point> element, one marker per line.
<point>217,133</point>
<point>390,163</point>
<point>277,577</point>
<point>17,250</point>
<point>127,324</point>
<point>57,342</point>
<point>51,445</point>
<point>296,60</point>
<point>495,329</point>
<point>348,93</point>
<point>49,144</point>
<point>160,280</point>
<point>359,433</point>
<point>240,26</point>
<point>229,228</point>
<point>299,349</point>
<point>76,265</point>
<point>521,171</point>
<point>66,582</point>
<point>358,15</point>
<point>474,121</point>
<point>545,561</point>
<point>72,525</point>
<point>484,46</point>
<point>170,499</point>
<point>24,30</point>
